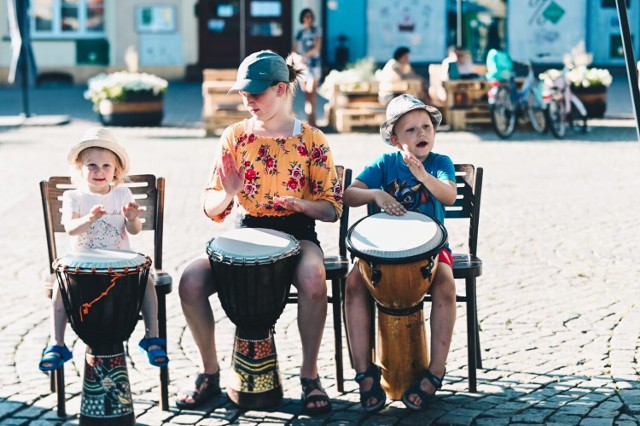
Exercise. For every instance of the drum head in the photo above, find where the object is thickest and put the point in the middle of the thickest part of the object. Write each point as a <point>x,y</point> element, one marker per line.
<point>396,239</point>
<point>252,246</point>
<point>101,260</point>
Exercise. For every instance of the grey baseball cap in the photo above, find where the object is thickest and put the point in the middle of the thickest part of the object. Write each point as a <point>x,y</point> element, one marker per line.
<point>399,106</point>
<point>258,71</point>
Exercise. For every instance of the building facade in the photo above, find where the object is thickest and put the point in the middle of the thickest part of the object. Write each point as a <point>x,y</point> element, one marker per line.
<point>177,39</point>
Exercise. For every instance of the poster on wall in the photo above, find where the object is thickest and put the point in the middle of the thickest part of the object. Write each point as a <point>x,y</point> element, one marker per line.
<point>417,24</point>
<point>545,30</point>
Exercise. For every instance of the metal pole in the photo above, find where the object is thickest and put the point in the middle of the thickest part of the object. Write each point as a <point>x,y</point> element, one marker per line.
<point>632,72</point>
<point>23,16</point>
<point>459,23</point>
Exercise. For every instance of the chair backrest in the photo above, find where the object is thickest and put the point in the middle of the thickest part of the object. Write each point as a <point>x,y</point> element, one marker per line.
<point>467,204</point>
<point>345,175</point>
<point>148,191</point>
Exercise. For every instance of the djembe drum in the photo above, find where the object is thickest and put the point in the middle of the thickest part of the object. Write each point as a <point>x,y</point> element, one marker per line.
<point>253,271</point>
<point>397,257</point>
<point>102,292</point>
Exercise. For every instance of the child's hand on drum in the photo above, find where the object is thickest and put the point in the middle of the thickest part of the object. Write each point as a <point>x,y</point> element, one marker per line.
<point>389,204</point>
<point>231,177</point>
<point>290,203</point>
<point>132,210</point>
<point>96,213</point>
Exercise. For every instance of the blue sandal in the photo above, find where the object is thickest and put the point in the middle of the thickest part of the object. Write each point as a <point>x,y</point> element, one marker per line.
<point>375,391</point>
<point>157,357</point>
<point>415,389</point>
<point>53,357</point>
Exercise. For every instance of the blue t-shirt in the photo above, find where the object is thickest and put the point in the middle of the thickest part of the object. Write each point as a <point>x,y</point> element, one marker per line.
<point>390,173</point>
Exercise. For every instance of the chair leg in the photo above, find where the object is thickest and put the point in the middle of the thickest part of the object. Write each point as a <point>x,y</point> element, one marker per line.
<point>57,380</point>
<point>162,333</point>
<point>337,330</point>
<point>472,333</point>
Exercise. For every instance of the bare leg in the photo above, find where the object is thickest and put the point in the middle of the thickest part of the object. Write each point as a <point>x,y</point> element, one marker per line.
<point>150,310</point>
<point>358,322</point>
<point>310,89</point>
<point>58,317</point>
<point>442,320</point>
<point>310,281</point>
<point>196,285</point>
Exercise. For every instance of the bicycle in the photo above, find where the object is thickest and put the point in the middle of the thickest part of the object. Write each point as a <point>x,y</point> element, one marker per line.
<point>562,107</point>
<point>508,104</point>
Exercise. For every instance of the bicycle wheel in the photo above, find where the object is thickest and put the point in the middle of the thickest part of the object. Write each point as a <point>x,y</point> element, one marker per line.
<point>503,113</point>
<point>535,111</point>
<point>556,113</point>
<point>577,118</point>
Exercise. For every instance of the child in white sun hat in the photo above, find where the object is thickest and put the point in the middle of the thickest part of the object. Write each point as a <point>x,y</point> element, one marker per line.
<point>100,214</point>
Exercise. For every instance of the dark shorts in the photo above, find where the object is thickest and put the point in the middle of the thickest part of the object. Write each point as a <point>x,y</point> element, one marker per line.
<point>299,225</point>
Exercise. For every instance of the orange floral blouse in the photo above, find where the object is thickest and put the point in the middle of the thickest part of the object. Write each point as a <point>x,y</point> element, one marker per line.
<point>300,166</point>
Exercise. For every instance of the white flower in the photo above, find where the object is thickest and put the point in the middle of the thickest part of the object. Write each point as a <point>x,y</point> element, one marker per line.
<point>114,86</point>
<point>588,77</point>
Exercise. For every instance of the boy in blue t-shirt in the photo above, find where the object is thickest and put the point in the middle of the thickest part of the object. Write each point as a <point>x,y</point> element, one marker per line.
<point>411,179</point>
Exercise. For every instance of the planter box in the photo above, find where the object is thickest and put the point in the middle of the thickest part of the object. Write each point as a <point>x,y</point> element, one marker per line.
<point>594,99</point>
<point>137,109</point>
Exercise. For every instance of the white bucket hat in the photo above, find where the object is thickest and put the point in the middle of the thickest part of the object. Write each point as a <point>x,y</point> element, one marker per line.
<point>399,106</point>
<point>99,137</point>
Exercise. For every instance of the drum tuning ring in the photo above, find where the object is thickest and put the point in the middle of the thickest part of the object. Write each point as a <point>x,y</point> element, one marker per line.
<point>426,270</point>
<point>376,274</point>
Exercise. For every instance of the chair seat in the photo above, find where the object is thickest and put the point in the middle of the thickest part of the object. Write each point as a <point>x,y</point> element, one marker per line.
<point>336,267</point>
<point>466,266</point>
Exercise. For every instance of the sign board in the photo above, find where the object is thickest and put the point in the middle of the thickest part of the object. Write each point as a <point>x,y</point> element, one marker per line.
<point>418,25</point>
<point>155,19</point>
<point>545,30</point>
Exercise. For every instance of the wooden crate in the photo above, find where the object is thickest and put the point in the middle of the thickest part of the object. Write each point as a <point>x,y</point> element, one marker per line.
<point>348,118</point>
<point>464,118</point>
<point>220,109</point>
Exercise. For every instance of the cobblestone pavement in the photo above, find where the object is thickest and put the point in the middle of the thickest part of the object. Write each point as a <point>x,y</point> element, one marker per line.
<point>557,303</point>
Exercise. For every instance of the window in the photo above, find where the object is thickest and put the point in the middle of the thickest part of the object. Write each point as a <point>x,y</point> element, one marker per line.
<point>67,18</point>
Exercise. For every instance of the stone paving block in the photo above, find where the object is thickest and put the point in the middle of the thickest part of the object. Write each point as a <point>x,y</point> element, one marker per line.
<point>604,421</point>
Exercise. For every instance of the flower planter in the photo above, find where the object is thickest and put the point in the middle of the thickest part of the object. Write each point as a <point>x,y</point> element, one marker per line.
<point>594,99</point>
<point>136,109</point>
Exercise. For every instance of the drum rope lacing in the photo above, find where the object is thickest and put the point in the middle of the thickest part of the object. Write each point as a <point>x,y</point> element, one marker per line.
<point>84,308</point>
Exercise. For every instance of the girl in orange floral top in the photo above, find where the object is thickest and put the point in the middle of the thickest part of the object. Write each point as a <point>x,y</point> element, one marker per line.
<point>280,174</point>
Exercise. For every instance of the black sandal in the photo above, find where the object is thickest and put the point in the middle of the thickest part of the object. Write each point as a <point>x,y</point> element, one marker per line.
<point>375,391</point>
<point>415,389</point>
<point>308,386</point>
<point>207,386</point>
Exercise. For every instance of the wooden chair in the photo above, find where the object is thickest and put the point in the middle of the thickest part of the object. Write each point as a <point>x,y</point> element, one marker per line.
<point>148,192</point>
<point>336,268</point>
<point>466,266</point>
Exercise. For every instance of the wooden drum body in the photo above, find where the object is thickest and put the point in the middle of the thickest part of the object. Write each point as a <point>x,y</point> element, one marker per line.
<point>398,257</point>
<point>102,291</point>
<point>253,271</point>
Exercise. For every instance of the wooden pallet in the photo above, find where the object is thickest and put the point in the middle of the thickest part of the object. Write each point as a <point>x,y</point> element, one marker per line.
<point>220,109</point>
<point>348,118</point>
<point>463,118</point>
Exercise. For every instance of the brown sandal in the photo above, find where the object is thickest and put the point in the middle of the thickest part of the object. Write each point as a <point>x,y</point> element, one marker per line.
<point>308,386</point>
<point>207,386</point>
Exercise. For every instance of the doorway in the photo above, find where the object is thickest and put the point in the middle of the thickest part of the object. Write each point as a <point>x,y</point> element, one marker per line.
<point>229,30</point>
